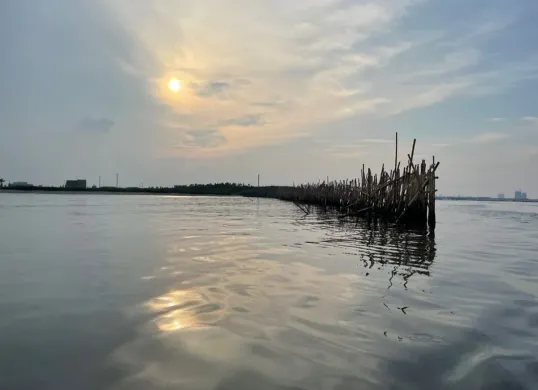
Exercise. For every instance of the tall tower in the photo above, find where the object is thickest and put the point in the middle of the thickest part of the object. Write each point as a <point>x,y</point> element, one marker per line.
<point>117,180</point>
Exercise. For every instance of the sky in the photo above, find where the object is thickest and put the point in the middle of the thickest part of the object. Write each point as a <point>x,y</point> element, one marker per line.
<point>291,90</point>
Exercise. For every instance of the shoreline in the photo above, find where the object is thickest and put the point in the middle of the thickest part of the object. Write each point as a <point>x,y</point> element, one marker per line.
<point>253,192</point>
<point>90,192</point>
<point>193,190</point>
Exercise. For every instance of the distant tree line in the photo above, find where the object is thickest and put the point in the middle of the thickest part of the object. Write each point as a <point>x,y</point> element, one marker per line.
<point>236,189</point>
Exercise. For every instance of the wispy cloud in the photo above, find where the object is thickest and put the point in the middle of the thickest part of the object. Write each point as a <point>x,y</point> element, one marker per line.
<point>299,60</point>
<point>264,76</point>
<point>199,138</point>
<point>450,63</point>
<point>345,151</point>
<point>530,119</point>
<point>428,95</point>
<point>244,121</point>
<point>377,141</point>
<point>314,62</point>
<point>212,88</point>
<point>488,137</point>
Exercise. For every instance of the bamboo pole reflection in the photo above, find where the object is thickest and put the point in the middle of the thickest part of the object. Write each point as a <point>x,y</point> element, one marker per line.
<point>378,244</point>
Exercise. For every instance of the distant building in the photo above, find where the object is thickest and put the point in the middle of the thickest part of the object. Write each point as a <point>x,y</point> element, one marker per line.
<point>20,184</point>
<point>75,184</point>
<point>500,196</point>
<point>519,195</point>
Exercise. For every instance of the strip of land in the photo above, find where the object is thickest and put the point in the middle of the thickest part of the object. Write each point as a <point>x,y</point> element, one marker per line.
<point>219,189</point>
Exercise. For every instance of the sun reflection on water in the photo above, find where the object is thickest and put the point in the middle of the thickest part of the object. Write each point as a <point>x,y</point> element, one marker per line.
<point>176,320</point>
<point>180,318</point>
<point>184,309</point>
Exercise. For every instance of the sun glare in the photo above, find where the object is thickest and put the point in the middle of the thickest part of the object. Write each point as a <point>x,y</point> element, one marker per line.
<point>174,85</point>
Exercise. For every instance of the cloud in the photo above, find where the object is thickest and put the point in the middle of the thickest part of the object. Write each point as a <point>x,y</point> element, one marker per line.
<point>289,63</point>
<point>377,141</point>
<point>260,78</point>
<point>488,137</point>
<point>95,125</point>
<point>268,103</point>
<point>530,119</point>
<point>245,120</point>
<point>429,95</point>
<point>496,119</point>
<point>200,138</point>
<point>318,62</point>
<point>242,82</point>
<point>213,88</point>
<point>450,63</point>
<point>345,151</point>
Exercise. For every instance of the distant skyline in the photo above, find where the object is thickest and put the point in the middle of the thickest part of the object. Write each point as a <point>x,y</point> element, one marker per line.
<point>184,91</point>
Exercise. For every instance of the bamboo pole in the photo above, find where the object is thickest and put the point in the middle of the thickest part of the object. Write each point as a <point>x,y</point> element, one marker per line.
<point>407,194</point>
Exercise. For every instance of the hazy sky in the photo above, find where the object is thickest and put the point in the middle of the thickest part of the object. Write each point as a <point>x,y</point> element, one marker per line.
<point>293,90</point>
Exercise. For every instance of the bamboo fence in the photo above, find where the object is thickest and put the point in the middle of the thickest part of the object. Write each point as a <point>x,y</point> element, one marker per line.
<point>405,194</point>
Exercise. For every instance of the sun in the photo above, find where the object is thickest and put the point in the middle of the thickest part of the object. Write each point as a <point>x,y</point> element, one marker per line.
<point>174,85</point>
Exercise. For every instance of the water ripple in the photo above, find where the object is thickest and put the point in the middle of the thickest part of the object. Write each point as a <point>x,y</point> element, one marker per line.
<point>227,293</point>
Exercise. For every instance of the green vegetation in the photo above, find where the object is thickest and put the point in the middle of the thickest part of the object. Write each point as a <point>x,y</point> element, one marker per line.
<point>2,181</point>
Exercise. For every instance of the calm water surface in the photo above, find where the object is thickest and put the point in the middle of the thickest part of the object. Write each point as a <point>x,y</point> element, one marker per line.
<point>147,292</point>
